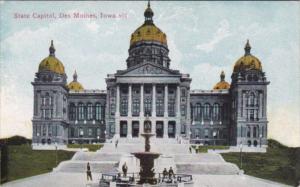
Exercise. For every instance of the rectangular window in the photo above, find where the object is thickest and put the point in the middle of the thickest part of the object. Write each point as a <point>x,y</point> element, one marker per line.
<point>159,107</point>
<point>171,107</point>
<point>183,110</point>
<point>90,132</point>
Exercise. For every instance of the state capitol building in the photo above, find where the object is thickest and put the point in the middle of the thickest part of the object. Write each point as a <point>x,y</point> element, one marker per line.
<point>229,114</point>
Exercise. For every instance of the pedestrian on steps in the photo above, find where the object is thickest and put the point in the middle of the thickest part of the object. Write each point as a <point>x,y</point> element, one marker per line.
<point>88,172</point>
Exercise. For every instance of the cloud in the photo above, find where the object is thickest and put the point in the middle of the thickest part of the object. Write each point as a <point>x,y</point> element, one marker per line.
<point>206,75</point>
<point>219,35</point>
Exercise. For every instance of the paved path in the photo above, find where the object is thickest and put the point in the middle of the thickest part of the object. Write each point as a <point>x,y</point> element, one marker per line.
<point>62,179</point>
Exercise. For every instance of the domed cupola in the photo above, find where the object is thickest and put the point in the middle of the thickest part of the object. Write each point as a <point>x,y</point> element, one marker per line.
<point>222,84</point>
<point>75,85</point>
<point>248,61</point>
<point>148,43</point>
<point>51,63</point>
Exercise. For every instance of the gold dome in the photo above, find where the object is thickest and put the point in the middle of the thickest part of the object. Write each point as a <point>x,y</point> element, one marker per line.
<point>75,85</point>
<point>51,63</point>
<point>148,31</point>
<point>222,84</point>
<point>248,61</point>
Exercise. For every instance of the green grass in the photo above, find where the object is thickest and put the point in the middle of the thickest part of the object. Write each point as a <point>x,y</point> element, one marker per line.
<point>278,164</point>
<point>91,147</point>
<point>204,148</point>
<point>25,162</point>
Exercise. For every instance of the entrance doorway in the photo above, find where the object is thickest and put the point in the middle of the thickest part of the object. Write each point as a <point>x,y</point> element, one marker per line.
<point>135,129</point>
<point>159,129</point>
<point>171,129</point>
<point>123,128</point>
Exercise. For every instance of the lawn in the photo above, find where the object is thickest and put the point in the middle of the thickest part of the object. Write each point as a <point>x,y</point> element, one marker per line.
<point>279,164</point>
<point>205,148</point>
<point>25,162</point>
<point>91,147</point>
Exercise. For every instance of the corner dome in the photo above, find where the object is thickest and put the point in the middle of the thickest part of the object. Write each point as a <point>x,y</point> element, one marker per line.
<point>75,85</point>
<point>148,31</point>
<point>248,61</point>
<point>222,84</point>
<point>51,63</point>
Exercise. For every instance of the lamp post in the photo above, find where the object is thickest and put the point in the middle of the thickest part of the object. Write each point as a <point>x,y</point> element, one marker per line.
<point>98,137</point>
<point>241,149</point>
<point>55,153</point>
<point>81,135</point>
<point>214,136</point>
<point>104,135</point>
<point>260,136</point>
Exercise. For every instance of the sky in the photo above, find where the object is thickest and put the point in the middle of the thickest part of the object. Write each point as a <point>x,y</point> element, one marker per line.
<point>204,38</point>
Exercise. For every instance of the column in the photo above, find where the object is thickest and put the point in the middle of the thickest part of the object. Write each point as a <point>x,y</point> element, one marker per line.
<point>154,100</point>
<point>165,128</point>
<point>178,114</point>
<point>188,113</point>
<point>118,101</point>
<point>142,101</point>
<point>129,128</point>
<point>166,101</point>
<point>117,114</point>
<point>129,100</point>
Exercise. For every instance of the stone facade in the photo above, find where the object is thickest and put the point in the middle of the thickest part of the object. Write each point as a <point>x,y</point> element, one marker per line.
<point>149,89</point>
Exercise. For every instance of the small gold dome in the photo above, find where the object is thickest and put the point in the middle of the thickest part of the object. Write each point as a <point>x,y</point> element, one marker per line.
<point>248,61</point>
<point>51,63</point>
<point>148,31</point>
<point>222,84</point>
<point>75,85</point>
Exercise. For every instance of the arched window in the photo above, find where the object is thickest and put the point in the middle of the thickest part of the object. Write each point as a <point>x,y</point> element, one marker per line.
<point>197,112</point>
<point>248,132</point>
<point>206,112</point>
<point>255,130</point>
<point>98,111</point>
<point>89,111</point>
<point>80,111</point>
<point>72,111</point>
<point>216,111</point>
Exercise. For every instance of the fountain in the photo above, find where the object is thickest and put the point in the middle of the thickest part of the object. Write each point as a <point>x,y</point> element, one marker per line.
<point>147,158</point>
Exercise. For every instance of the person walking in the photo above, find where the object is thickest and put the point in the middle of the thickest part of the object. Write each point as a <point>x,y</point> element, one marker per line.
<point>171,172</point>
<point>116,143</point>
<point>124,169</point>
<point>88,172</point>
<point>190,148</point>
<point>165,173</point>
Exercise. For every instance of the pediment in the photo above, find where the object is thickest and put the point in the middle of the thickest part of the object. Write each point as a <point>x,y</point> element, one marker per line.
<point>148,69</point>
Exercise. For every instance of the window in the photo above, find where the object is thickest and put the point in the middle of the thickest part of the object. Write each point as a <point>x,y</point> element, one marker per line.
<point>124,106</point>
<point>251,115</point>
<point>183,93</point>
<point>216,112</point>
<point>80,111</point>
<point>251,99</point>
<point>90,132</point>
<point>136,107</point>
<point>171,107</point>
<point>254,132</point>
<point>206,133</point>
<point>112,106</point>
<point>197,112</point>
<point>183,110</point>
<point>206,111</point>
<point>148,107</point>
<point>72,111</point>
<point>89,111</point>
<point>248,131</point>
<point>98,111</point>
<point>98,132</point>
<point>159,107</point>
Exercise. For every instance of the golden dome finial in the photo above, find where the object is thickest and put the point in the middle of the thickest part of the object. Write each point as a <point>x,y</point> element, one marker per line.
<point>222,76</point>
<point>148,14</point>
<point>52,49</point>
<point>222,84</point>
<point>247,48</point>
<point>75,76</point>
